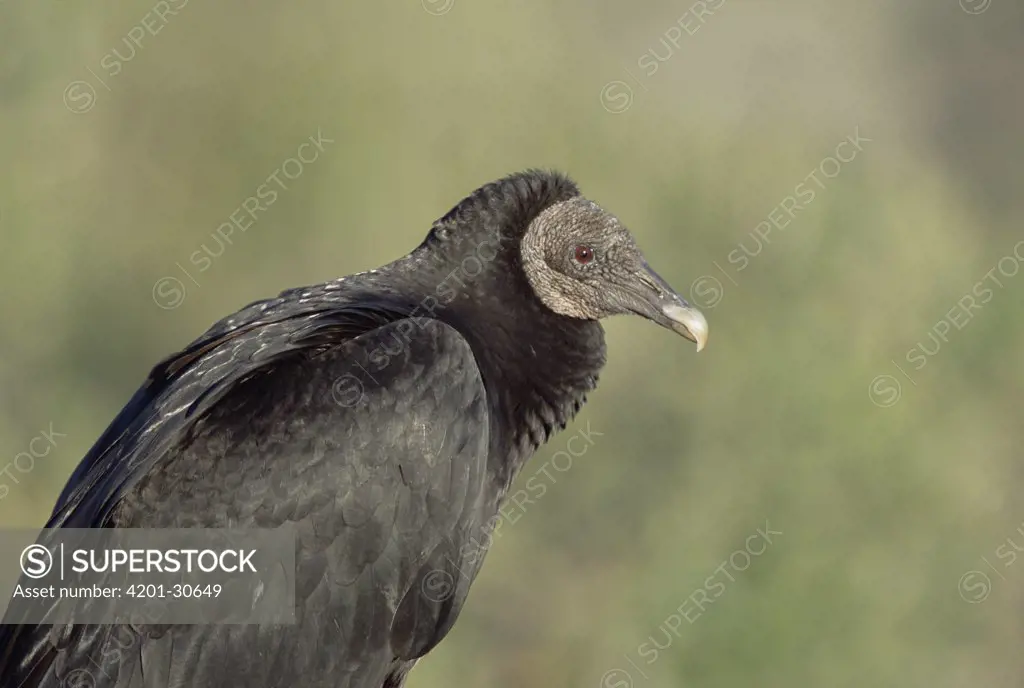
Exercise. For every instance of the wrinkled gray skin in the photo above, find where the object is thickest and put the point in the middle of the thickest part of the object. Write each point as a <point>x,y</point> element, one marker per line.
<point>617,279</point>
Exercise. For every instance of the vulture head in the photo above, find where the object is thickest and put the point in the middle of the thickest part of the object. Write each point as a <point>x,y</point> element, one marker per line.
<point>583,263</point>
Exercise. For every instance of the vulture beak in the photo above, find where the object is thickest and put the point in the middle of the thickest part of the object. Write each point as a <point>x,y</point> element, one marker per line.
<point>662,304</point>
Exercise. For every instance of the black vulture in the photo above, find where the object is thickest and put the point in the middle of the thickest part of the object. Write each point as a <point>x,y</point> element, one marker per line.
<point>389,410</point>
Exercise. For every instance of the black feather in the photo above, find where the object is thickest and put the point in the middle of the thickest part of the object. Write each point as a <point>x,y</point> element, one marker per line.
<point>462,376</point>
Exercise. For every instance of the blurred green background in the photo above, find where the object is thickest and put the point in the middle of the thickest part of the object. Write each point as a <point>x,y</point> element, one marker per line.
<point>849,397</point>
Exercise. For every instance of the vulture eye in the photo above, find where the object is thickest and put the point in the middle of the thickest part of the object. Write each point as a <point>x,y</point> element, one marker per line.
<point>583,254</point>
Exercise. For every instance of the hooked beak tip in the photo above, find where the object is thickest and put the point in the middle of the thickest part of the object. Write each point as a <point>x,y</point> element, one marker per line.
<point>689,322</point>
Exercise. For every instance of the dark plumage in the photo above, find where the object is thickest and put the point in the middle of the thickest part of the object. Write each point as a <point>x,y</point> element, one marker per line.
<point>388,411</point>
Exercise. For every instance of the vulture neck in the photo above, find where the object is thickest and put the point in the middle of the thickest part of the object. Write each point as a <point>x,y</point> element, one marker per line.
<point>537,365</point>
